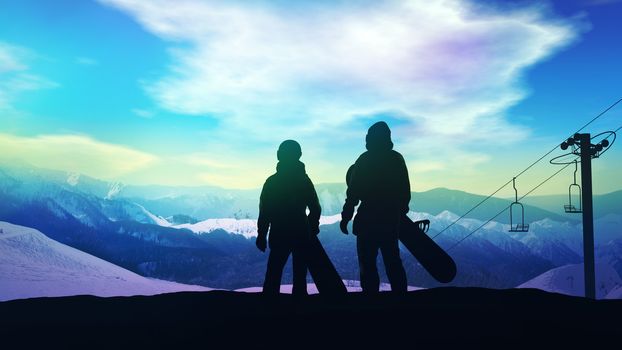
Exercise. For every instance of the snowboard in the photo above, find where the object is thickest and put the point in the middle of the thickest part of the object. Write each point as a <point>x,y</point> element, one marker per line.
<point>325,276</point>
<point>429,254</point>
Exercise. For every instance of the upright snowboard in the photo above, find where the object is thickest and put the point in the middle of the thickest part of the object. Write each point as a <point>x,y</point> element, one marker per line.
<point>431,256</point>
<point>325,276</point>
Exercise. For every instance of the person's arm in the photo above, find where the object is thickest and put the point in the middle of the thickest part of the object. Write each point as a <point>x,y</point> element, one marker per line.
<point>263,221</point>
<point>352,199</point>
<point>404,186</point>
<point>315,210</point>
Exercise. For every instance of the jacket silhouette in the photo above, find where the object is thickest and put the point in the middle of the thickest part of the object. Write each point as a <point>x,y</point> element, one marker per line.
<point>379,181</point>
<point>284,199</point>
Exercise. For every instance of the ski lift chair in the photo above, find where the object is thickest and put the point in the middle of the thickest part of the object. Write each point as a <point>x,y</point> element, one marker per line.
<point>571,208</point>
<point>518,227</point>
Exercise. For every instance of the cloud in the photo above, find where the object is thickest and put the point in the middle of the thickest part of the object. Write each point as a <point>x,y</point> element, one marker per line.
<point>426,60</point>
<point>85,155</point>
<point>15,75</point>
<point>75,153</point>
<point>143,113</point>
<point>86,61</point>
<point>445,70</point>
<point>9,61</point>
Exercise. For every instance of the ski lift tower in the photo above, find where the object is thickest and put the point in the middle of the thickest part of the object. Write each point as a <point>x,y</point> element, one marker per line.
<point>581,145</point>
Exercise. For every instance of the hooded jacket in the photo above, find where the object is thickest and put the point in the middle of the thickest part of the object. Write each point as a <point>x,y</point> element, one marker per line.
<point>379,181</point>
<point>284,199</point>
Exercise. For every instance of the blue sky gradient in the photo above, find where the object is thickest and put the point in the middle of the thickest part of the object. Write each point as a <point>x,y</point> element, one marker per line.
<point>202,92</point>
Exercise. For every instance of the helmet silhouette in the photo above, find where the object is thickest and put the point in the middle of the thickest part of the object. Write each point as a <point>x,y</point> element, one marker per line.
<point>289,150</point>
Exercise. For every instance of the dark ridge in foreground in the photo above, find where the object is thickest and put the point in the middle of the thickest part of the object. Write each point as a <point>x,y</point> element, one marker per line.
<point>440,316</point>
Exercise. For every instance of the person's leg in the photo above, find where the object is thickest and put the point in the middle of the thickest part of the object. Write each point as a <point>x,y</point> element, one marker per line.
<point>367,250</point>
<point>393,265</point>
<point>276,262</point>
<point>299,265</point>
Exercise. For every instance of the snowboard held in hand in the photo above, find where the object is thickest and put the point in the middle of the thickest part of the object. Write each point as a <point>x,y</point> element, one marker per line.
<point>429,254</point>
<point>325,276</point>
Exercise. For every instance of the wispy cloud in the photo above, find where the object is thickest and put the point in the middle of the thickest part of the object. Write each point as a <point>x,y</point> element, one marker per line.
<point>143,113</point>
<point>86,61</point>
<point>16,76</point>
<point>446,70</point>
<point>9,58</point>
<point>75,153</point>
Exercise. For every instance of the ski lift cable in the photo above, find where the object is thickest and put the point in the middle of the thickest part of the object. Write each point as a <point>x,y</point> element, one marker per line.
<point>470,210</point>
<point>527,168</point>
<point>525,195</point>
<point>559,144</point>
<point>508,207</point>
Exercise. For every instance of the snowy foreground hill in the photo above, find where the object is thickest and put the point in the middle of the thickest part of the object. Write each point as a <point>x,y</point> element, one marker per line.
<point>33,265</point>
<point>569,280</point>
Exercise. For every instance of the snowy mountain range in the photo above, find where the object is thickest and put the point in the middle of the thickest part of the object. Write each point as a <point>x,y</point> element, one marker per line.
<point>206,202</point>
<point>204,235</point>
<point>244,227</point>
<point>33,265</point>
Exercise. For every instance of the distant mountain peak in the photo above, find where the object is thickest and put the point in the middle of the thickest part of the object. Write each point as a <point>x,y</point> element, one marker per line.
<point>73,179</point>
<point>447,215</point>
<point>114,189</point>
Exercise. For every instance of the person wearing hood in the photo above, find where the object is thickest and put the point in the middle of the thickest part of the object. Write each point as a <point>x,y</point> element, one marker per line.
<point>379,181</point>
<point>283,202</point>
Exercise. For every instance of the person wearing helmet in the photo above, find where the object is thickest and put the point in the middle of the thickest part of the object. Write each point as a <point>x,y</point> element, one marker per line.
<point>283,202</point>
<point>379,181</point>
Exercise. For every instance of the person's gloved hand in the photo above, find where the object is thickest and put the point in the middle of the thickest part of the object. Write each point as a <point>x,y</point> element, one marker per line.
<point>346,215</point>
<point>343,225</point>
<point>261,243</point>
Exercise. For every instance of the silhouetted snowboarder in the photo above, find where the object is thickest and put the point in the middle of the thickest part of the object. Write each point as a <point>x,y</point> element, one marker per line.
<point>282,210</point>
<point>379,180</point>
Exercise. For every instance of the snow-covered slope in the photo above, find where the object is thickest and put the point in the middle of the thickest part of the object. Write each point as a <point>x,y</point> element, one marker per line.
<point>245,227</point>
<point>608,228</point>
<point>569,280</point>
<point>615,293</point>
<point>33,265</point>
<point>157,220</point>
<point>544,240</point>
<point>248,227</point>
<point>329,220</point>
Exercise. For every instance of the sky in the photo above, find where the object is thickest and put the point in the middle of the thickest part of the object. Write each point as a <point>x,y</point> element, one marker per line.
<point>194,92</point>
